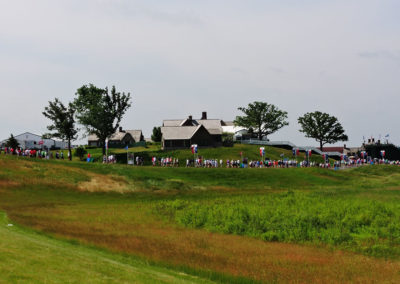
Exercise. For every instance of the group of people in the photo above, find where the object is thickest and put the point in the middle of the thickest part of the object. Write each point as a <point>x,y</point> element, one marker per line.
<point>34,153</point>
<point>110,159</point>
<point>201,162</point>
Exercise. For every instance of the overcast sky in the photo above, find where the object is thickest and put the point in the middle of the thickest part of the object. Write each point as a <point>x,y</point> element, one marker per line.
<point>178,58</point>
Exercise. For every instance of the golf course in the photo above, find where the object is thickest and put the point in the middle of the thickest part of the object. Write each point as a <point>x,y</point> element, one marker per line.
<point>79,222</point>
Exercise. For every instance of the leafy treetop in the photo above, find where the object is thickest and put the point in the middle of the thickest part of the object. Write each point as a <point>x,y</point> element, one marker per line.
<point>263,118</point>
<point>324,128</point>
<point>101,111</point>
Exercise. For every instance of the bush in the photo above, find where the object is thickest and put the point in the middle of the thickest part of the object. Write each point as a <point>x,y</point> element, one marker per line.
<point>227,139</point>
<point>80,152</point>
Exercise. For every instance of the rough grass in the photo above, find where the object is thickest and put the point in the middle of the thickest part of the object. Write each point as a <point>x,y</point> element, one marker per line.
<point>367,226</point>
<point>130,222</point>
<point>28,257</point>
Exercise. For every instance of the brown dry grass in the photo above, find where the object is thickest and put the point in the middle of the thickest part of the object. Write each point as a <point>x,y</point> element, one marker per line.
<point>104,183</point>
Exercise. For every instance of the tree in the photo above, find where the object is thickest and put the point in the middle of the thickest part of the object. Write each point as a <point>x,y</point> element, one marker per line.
<point>80,152</point>
<point>263,118</point>
<point>157,135</point>
<point>324,128</point>
<point>63,122</point>
<point>99,111</point>
<point>12,142</point>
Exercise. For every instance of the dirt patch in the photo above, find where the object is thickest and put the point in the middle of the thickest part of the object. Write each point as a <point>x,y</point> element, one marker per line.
<point>105,183</point>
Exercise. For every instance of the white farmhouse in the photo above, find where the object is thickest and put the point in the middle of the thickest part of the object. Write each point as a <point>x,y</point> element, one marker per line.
<point>29,140</point>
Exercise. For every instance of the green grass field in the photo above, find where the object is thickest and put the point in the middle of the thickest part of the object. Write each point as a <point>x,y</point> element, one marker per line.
<point>225,225</point>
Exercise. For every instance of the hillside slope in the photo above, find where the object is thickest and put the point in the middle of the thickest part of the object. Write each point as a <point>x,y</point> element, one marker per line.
<point>30,257</point>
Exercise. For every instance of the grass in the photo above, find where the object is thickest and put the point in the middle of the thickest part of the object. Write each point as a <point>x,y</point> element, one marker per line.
<point>26,256</point>
<point>213,223</point>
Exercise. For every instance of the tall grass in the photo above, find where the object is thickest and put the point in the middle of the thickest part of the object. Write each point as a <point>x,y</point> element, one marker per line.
<point>367,226</point>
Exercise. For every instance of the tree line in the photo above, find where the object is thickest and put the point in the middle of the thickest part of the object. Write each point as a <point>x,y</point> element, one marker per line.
<point>100,111</point>
<point>263,119</point>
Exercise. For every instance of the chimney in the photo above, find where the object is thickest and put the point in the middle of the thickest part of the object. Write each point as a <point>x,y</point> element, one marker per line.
<point>120,129</point>
<point>190,118</point>
<point>204,115</point>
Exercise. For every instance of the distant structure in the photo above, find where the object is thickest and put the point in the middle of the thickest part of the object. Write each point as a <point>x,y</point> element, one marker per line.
<point>182,133</point>
<point>121,138</point>
<point>29,140</point>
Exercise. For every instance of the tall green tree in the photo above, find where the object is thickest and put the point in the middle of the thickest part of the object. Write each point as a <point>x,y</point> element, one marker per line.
<point>324,128</point>
<point>157,135</point>
<point>101,111</point>
<point>12,142</point>
<point>262,117</point>
<point>63,126</point>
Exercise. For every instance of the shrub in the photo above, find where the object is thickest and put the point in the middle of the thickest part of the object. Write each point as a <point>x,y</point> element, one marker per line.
<point>80,152</point>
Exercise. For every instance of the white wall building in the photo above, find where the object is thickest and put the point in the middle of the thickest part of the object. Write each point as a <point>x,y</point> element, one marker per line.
<point>29,140</point>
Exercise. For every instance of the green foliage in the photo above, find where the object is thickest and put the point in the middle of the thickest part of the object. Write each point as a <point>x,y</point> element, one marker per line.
<point>101,111</point>
<point>156,136</point>
<point>80,152</point>
<point>366,226</point>
<point>391,151</point>
<point>264,118</point>
<point>323,127</point>
<point>63,121</point>
<point>12,142</point>
<point>227,139</point>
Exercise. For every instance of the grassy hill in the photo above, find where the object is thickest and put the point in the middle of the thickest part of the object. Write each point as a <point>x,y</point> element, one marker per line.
<point>26,256</point>
<point>272,225</point>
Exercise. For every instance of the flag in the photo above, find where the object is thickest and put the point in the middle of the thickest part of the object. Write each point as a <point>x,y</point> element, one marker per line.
<point>106,143</point>
<point>262,151</point>
<point>41,142</point>
<point>387,136</point>
<point>126,147</point>
<point>194,148</point>
<point>383,153</point>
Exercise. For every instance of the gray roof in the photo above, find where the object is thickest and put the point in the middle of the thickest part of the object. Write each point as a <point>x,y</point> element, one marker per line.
<point>213,126</point>
<point>179,132</point>
<point>172,122</point>
<point>118,136</point>
<point>229,123</point>
<point>136,134</point>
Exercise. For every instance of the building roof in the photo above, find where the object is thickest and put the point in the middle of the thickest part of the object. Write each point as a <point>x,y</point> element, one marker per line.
<point>179,132</point>
<point>136,134</point>
<point>228,123</point>
<point>172,122</point>
<point>120,135</point>
<point>333,149</point>
<point>213,126</point>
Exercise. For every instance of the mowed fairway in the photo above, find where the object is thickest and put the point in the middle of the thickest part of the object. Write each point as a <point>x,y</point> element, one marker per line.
<point>152,214</point>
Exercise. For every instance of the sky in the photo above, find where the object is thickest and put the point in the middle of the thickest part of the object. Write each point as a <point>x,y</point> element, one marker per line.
<point>179,58</point>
